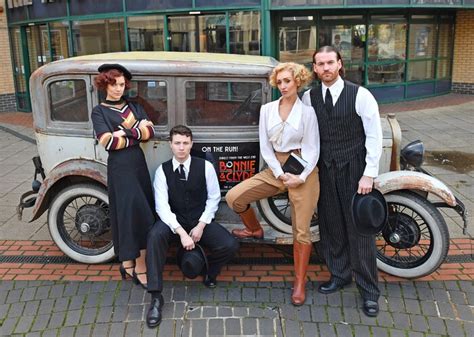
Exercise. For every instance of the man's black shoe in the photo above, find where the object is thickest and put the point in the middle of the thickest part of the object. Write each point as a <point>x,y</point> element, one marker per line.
<point>153,318</point>
<point>370,308</point>
<point>210,281</point>
<point>331,286</point>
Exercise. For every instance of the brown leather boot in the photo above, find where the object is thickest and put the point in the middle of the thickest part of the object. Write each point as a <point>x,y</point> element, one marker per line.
<point>252,229</point>
<point>301,253</point>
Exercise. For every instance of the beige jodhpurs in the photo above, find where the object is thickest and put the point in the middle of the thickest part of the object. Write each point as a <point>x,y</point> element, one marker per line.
<point>303,199</point>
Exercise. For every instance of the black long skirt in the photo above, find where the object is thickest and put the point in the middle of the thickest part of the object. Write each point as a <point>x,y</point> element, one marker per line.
<point>131,203</point>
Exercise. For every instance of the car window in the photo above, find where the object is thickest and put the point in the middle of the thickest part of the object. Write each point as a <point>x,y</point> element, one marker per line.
<point>213,103</point>
<point>152,95</point>
<point>68,101</point>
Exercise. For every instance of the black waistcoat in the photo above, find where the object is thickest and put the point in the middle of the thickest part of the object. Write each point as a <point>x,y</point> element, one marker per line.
<point>341,131</point>
<point>188,198</point>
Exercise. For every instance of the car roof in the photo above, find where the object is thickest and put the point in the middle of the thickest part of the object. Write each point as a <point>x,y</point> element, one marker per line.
<point>166,63</point>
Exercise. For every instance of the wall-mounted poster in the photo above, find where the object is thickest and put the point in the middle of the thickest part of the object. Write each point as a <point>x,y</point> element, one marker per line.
<point>342,41</point>
<point>234,162</point>
<point>421,41</point>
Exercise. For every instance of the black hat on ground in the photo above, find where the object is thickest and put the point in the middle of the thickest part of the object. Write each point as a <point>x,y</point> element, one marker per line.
<point>192,262</point>
<point>108,66</point>
<point>369,212</point>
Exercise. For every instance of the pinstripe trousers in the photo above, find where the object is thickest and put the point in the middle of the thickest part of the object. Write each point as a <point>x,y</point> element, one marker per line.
<point>345,250</point>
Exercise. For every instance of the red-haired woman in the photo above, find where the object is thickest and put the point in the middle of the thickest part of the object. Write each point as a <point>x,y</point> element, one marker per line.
<point>120,126</point>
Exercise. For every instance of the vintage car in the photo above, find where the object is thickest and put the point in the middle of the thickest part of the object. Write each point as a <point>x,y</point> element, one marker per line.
<point>219,97</point>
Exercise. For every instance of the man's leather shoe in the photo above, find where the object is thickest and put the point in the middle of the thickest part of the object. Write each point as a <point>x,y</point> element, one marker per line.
<point>331,286</point>
<point>370,308</point>
<point>153,318</point>
<point>210,281</point>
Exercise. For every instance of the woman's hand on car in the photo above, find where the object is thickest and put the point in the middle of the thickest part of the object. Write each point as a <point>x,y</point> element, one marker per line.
<point>292,181</point>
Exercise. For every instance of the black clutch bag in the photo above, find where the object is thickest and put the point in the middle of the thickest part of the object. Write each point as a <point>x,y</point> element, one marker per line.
<point>294,164</point>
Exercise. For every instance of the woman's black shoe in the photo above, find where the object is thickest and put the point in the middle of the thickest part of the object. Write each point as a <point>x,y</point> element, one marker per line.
<point>370,308</point>
<point>153,317</point>
<point>136,280</point>
<point>331,286</point>
<point>124,273</point>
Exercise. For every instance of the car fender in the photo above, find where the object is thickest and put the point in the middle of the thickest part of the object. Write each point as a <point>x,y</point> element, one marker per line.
<point>79,170</point>
<point>411,180</point>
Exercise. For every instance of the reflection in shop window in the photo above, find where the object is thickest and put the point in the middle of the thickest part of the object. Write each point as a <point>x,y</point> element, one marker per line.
<point>297,39</point>
<point>98,36</point>
<point>146,33</point>
<point>223,103</point>
<point>387,41</point>
<point>422,40</point>
<point>68,101</point>
<point>244,33</point>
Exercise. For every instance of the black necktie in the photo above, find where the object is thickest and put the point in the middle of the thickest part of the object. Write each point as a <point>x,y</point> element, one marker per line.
<point>328,101</point>
<point>182,175</point>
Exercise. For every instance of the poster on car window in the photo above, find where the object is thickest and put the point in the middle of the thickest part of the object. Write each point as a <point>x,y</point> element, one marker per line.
<point>234,162</point>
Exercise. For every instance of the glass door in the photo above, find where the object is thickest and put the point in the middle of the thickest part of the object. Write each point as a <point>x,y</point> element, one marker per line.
<point>20,69</point>
<point>38,46</point>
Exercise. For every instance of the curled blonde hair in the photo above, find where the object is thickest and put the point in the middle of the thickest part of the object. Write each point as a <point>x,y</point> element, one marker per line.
<point>300,73</point>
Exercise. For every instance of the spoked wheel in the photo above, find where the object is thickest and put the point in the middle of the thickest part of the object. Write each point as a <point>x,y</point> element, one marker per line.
<point>79,224</point>
<point>276,211</point>
<point>416,239</point>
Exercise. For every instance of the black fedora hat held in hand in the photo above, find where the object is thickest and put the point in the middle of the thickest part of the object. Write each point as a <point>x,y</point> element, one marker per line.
<point>369,212</point>
<point>192,262</point>
<point>107,66</point>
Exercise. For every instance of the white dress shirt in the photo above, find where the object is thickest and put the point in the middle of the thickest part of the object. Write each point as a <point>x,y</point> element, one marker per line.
<point>367,108</point>
<point>162,206</point>
<point>299,131</point>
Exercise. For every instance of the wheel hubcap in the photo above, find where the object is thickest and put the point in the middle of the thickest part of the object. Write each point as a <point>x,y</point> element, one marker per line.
<point>91,220</point>
<point>403,232</point>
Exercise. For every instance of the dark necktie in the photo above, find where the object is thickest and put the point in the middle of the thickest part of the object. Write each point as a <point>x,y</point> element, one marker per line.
<point>328,101</point>
<point>182,175</point>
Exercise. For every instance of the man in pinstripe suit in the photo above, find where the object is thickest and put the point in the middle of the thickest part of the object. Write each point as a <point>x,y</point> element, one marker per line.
<point>351,146</point>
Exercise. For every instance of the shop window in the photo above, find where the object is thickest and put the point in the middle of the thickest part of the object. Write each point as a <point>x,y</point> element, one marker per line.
<point>98,36</point>
<point>68,101</point>
<point>437,2</point>
<point>422,41</point>
<point>59,33</point>
<point>223,103</point>
<point>443,69</point>
<point>297,39</point>
<point>146,33</point>
<point>421,70</point>
<point>391,72</point>
<point>141,5</point>
<point>386,41</point>
<point>244,33</point>
<point>199,33</point>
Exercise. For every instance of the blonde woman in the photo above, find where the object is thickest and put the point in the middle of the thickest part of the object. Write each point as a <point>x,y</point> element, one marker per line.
<point>286,126</point>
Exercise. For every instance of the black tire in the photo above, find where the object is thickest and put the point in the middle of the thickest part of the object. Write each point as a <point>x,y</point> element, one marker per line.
<point>79,225</point>
<point>276,211</point>
<point>416,239</point>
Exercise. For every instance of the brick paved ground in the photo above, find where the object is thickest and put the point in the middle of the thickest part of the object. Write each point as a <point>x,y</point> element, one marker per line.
<point>50,298</point>
<point>45,308</point>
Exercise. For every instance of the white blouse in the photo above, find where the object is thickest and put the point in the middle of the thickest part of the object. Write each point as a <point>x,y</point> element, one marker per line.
<point>299,131</point>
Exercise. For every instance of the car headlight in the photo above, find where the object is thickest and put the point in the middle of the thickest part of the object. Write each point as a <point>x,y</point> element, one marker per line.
<point>413,154</point>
